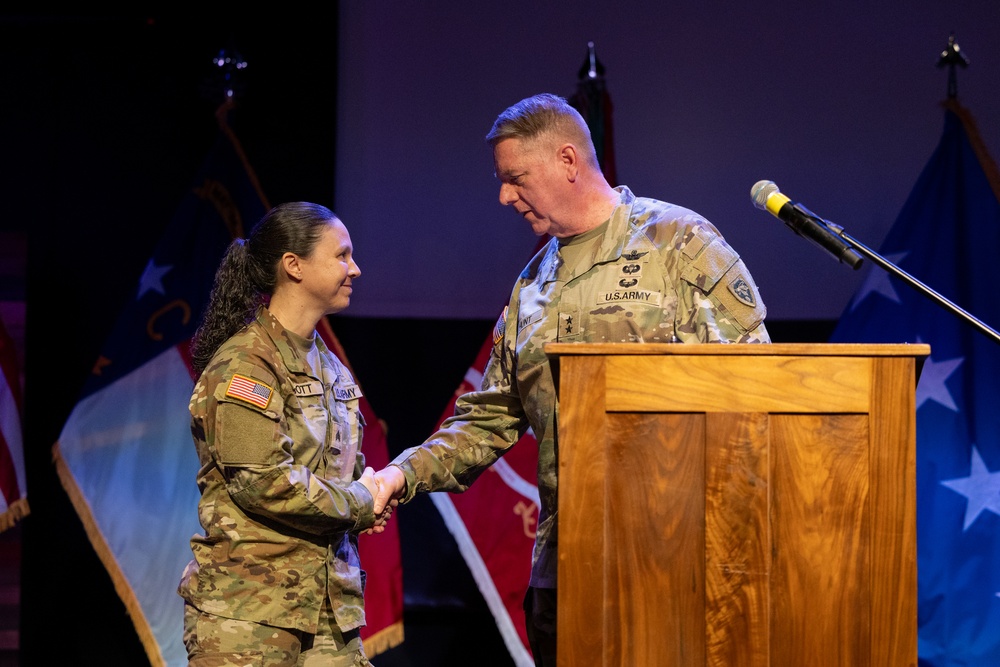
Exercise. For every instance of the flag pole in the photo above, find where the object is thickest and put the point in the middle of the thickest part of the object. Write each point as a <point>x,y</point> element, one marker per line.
<point>951,57</point>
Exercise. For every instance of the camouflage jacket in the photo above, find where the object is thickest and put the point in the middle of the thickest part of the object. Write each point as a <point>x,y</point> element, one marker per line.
<point>658,273</point>
<point>277,426</point>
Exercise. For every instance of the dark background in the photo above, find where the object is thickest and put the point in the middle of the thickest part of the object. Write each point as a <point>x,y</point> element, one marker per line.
<point>836,102</point>
<point>104,121</point>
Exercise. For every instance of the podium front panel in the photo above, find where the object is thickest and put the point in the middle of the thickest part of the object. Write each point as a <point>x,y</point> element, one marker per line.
<point>729,507</point>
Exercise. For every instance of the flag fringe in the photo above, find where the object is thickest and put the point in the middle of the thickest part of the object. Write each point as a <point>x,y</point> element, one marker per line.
<point>388,637</point>
<point>100,545</point>
<point>978,146</point>
<point>15,512</point>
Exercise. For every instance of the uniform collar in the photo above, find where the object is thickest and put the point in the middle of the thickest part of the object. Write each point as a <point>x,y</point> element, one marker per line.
<point>291,347</point>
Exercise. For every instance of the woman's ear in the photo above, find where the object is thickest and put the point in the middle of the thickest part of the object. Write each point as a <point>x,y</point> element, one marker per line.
<point>291,265</point>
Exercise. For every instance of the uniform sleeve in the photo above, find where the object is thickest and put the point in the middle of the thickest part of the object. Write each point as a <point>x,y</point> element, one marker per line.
<point>254,455</point>
<point>718,300</point>
<point>485,424</point>
<point>483,427</point>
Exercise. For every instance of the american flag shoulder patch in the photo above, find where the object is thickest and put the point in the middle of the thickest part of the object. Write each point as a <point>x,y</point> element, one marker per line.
<point>249,390</point>
<point>501,325</point>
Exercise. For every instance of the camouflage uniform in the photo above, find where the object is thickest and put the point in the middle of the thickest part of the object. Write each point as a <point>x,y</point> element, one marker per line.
<point>653,273</point>
<point>277,425</point>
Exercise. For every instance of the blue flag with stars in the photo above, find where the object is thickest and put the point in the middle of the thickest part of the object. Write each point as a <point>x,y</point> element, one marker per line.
<point>125,455</point>
<point>947,236</point>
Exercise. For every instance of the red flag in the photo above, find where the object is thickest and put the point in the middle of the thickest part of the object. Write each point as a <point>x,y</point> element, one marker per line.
<point>494,523</point>
<point>380,554</point>
<point>13,489</point>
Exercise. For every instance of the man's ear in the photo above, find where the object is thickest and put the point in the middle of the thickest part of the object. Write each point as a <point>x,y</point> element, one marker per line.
<point>569,158</point>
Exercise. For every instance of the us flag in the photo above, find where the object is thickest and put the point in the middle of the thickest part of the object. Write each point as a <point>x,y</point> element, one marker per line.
<point>249,390</point>
<point>947,236</point>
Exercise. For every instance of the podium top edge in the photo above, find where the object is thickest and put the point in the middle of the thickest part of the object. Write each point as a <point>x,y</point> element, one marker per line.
<point>748,349</point>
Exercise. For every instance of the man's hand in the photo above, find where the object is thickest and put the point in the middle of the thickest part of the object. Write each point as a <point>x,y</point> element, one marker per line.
<point>391,486</point>
<point>368,479</point>
<point>381,515</point>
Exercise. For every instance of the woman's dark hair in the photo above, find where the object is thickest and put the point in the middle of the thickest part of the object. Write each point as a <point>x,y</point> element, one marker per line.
<point>248,272</point>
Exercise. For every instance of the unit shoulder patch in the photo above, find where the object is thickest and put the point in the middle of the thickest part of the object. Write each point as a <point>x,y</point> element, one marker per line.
<point>741,298</point>
<point>742,290</point>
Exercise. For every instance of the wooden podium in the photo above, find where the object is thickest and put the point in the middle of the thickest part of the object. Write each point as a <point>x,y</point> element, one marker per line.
<point>737,505</point>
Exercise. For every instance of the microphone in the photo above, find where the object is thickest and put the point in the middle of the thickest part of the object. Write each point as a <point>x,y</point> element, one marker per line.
<point>804,222</point>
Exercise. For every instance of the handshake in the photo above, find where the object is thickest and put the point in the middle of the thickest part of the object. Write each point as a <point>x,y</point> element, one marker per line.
<point>387,486</point>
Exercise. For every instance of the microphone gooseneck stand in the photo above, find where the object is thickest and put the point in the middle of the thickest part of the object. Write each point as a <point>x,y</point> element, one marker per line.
<point>913,282</point>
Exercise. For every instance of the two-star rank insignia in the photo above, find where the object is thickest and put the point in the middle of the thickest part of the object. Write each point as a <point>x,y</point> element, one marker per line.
<point>566,323</point>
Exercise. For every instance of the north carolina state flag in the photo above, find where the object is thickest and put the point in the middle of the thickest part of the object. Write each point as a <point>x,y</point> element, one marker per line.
<point>125,455</point>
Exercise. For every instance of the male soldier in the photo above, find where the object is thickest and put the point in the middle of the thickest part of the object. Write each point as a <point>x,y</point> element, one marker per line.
<point>619,268</point>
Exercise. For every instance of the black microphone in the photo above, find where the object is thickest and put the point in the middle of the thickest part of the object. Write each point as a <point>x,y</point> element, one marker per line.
<point>804,222</point>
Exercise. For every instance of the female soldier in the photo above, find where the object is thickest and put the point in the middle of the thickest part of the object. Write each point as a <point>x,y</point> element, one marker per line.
<point>275,578</point>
